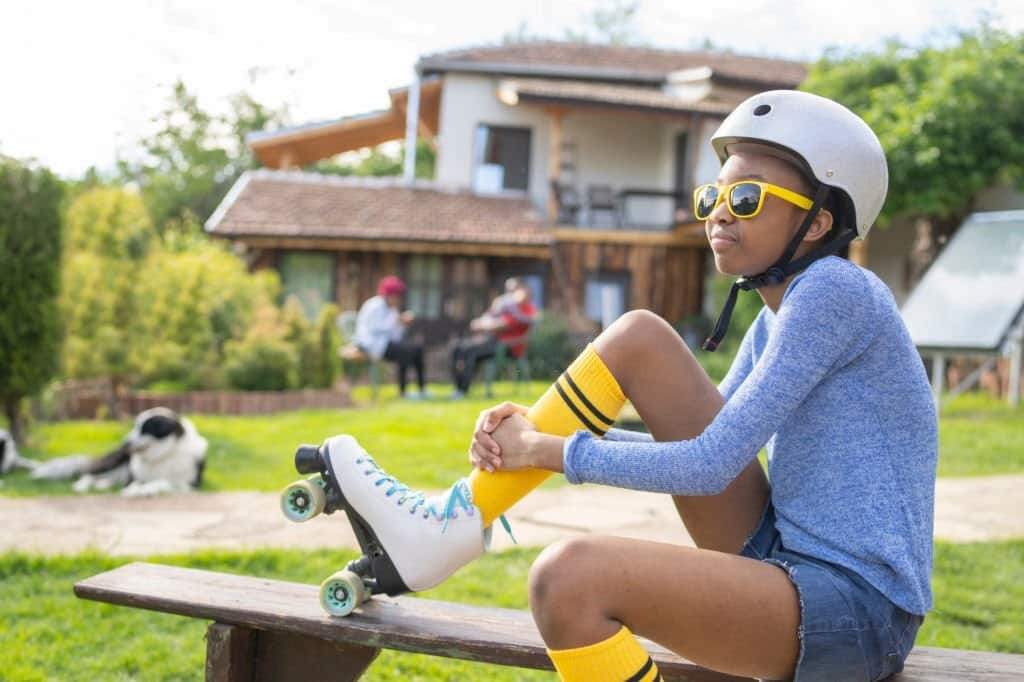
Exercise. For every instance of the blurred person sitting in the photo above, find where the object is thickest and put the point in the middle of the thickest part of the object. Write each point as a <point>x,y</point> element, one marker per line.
<point>380,332</point>
<point>505,324</point>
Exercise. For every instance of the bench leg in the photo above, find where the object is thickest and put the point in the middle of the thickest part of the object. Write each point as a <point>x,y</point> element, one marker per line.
<point>238,654</point>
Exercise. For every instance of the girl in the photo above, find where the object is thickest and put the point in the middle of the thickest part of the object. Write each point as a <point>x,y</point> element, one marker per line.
<point>819,571</point>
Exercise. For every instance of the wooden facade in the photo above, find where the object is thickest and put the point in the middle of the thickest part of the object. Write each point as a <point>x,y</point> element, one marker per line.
<point>667,280</point>
<point>451,288</point>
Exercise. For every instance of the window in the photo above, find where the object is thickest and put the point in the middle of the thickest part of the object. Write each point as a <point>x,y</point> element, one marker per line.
<point>605,297</point>
<point>467,291</point>
<point>502,159</point>
<point>309,277</point>
<point>424,286</point>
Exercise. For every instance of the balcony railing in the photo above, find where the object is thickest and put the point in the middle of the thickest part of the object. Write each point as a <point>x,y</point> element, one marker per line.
<point>627,208</point>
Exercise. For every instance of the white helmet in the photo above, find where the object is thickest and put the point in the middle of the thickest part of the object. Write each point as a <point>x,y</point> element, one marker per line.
<point>830,142</point>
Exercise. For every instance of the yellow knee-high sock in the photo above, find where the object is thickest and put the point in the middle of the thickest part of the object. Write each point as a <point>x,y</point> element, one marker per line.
<point>586,396</point>
<point>620,658</point>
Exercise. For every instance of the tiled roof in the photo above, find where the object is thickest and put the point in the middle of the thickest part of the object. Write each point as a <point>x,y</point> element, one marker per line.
<point>621,60</point>
<point>297,204</point>
<point>632,96</point>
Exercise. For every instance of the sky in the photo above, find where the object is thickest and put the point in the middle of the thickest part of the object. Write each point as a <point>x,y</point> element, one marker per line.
<point>80,82</point>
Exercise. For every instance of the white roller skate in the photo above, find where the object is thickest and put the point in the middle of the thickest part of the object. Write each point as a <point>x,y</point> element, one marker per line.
<point>409,542</point>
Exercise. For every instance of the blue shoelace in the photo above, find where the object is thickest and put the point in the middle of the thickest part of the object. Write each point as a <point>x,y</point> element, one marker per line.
<point>458,495</point>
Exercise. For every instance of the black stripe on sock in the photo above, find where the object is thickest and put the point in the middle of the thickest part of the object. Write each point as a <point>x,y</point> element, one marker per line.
<point>583,399</point>
<point>576,411</point>
<point>643,671</point>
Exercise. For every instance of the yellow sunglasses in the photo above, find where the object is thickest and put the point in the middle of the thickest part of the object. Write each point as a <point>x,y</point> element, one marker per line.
<point>746,198</point>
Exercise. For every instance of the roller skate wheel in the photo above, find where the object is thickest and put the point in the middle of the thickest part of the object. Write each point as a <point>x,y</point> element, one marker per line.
<point>342,592</point>
<point>303,500</point>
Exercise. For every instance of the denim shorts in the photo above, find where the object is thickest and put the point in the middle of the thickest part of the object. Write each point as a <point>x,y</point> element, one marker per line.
<point>849,631</point>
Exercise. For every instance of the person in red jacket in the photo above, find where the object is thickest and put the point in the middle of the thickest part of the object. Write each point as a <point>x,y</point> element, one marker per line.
<point>506,322</point>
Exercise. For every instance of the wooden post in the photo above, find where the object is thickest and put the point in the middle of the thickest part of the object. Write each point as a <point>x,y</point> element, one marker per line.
<point>555,161</point>
<point>230,652</point>
<point>1016,365</point>
<point>938,377</point>
<point>240,654</point>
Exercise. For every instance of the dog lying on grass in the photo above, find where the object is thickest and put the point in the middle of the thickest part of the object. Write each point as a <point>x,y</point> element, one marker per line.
<point>163,453</point>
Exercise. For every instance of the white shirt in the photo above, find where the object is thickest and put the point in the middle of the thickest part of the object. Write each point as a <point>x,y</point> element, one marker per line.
<point>376,325</point>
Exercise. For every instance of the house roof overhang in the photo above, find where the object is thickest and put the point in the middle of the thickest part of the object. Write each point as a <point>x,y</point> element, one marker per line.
<point>305,144</point>
<point>550,92</point>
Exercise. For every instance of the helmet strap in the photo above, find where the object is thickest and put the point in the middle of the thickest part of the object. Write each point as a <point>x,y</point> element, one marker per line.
<point>782,269</point>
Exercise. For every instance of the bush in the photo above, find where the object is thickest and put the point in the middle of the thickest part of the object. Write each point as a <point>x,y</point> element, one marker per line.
<point>146,309</point>
<point>264,360</point>
<point>328,342</point>
<point>30,254</point>
<point>550,350</point>
<point>261,364</point>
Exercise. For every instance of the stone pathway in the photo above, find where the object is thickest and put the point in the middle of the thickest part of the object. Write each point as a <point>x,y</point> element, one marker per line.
<point>967,509</point>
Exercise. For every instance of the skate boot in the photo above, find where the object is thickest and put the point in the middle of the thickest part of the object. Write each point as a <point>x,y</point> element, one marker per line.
<point>409,542</point>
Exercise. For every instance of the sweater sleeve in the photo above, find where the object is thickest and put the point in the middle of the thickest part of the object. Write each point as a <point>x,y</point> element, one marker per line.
<point>820,325</point>
<point>627,436</point>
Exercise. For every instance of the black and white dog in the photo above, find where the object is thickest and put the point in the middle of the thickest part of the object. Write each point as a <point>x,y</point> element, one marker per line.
<point>163,453</point>
<point>9,457</point>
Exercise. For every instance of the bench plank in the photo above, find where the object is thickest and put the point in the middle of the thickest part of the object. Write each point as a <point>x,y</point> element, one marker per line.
<point>492,635</point>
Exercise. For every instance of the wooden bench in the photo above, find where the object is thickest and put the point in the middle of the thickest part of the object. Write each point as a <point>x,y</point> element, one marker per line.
<point>274,630</point>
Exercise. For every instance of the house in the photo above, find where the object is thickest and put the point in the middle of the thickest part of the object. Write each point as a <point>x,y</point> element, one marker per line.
<point>571,165</point>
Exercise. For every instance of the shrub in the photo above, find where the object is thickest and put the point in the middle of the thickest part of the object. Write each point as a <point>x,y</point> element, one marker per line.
<point>550,350</point>
<point>30,252</point>
<point>264,360</point>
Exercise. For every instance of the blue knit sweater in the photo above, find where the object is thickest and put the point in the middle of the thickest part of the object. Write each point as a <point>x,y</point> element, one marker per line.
<point>834,389</point>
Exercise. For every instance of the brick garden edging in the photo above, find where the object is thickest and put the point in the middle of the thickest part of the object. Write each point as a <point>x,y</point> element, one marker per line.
<point>91,399</point>
<point>238,402</point>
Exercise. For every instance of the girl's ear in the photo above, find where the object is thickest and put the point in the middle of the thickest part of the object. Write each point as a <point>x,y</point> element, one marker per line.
<point>820,227</point>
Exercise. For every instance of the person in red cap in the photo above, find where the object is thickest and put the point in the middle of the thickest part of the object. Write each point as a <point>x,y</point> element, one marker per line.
<point>380,329</point>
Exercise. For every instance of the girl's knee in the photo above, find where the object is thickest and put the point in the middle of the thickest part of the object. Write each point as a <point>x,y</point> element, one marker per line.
<point>561,578</point>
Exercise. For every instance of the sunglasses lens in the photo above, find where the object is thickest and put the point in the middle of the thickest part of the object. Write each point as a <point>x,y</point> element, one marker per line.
<point>744,199</point>
<point>706,199</point>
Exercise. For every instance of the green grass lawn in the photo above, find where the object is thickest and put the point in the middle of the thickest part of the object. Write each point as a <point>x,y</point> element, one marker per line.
<point>981,436</point>
<point>425,443</point>
<point>48,634</point>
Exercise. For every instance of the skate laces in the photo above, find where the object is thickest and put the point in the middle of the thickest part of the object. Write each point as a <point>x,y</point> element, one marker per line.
<point>458,497</point>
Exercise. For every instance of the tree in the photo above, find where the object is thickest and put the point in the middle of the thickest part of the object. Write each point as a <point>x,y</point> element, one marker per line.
<point>141,308</point>
<point>30,256</point>
<point>609,24</point>
<point>379,163</point>
<point>949,118</point>
<point>194,157</point>
<point>108,236</point>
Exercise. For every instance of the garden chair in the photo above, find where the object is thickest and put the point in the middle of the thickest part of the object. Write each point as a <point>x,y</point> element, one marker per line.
<point>497,364</point>
<point>351,353</point>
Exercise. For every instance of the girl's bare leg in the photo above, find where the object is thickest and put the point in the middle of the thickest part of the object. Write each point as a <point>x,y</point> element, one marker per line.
<point>722,611</point>
<point>676,400</point>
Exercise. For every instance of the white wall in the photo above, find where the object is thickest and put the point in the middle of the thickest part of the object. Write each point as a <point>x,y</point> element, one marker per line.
<point>624,150</point>
<point>466,102</point>
<point>888,249</point>
<point>999,198</point>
